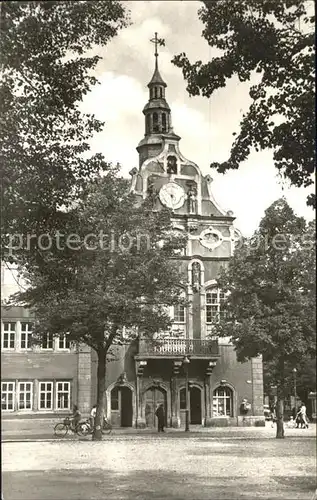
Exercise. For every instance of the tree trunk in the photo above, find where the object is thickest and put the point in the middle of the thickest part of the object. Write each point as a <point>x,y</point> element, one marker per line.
<point>280,417</point>
<point>101,388</point>
<point>280,401</point>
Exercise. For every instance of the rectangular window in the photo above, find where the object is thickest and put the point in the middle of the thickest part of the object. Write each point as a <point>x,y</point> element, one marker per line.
<point>7,396</point>
<point>62,395</point>
<point>46,396</point>
<point>63,342</point>
<point>179,314</point>
<point>214,300</point>
<point>47,342</point>
<point>8,335</point>
<point>26,335</point>
<point>25,395</point>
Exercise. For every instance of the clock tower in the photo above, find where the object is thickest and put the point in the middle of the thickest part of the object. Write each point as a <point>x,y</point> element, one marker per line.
<point>217,383</point>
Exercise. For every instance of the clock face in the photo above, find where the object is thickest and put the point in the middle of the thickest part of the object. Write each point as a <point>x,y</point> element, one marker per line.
<point>172,195</point>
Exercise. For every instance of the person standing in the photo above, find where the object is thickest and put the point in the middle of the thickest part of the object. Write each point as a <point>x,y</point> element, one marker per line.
<point>93,416</point>
<point>160,413</point>
<point>75,418</point>
<point>303,415</point>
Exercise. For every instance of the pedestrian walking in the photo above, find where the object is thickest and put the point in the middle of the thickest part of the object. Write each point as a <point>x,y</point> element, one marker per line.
<point>160,413</point>
<point>302,417</point>
<point>273,415</point>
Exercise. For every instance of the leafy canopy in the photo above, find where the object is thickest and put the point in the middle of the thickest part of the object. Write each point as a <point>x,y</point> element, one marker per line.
<point>45,72</point>
<point>270,309</point>
<point>114,272</point>
<point>272,43</point>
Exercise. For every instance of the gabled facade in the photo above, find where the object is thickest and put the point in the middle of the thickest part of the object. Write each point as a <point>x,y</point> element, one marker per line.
<point>218,385</point>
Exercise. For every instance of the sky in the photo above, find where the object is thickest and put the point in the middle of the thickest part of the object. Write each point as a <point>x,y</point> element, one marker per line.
<point>205,125</point>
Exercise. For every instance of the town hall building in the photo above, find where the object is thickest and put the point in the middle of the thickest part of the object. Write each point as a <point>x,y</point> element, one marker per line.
<point>188,369</point>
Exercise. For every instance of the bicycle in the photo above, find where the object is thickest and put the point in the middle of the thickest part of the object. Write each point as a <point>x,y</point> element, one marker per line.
<point>86,427</point>
<point>62,428</point>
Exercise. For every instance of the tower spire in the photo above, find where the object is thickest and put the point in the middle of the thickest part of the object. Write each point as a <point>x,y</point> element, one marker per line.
<point>157,41</point>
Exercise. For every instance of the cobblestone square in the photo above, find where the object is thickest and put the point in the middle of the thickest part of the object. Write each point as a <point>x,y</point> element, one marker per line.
<point>172,466</point>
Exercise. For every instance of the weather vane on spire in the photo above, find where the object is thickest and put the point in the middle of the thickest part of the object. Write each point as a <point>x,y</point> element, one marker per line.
<point>157,41</point>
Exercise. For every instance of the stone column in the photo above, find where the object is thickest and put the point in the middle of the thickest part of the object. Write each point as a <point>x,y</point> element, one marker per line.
<point>140,417</point>
<point>84,379</point>
<point>175,419</point>
<point>209,394</point>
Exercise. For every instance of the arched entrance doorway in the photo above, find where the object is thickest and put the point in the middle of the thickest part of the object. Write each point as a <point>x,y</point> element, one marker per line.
<point>195,412</point>
<point>152,398</point>
<point>121,406</point>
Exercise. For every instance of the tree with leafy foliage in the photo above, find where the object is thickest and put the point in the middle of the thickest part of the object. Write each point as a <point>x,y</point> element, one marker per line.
<point>270,307</point>
<point>271,44</point>
<point>113,269</point>
<point>45,73</point>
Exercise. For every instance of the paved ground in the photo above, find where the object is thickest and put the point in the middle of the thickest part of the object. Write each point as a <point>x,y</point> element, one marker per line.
<point>44,430</point>
<point>223,465</point>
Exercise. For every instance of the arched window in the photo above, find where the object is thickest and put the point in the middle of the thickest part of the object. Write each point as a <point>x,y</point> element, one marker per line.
<point>155,123</point>
<point>155,92</point>
<point>148,124</point>
<point>161,92</point>
<point>115,398</point>
<point>214,300</point>
<point>223,402</point>
<point>164,128</point>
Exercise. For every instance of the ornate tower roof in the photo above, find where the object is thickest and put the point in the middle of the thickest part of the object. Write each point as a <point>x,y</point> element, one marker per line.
<point>157,113</point>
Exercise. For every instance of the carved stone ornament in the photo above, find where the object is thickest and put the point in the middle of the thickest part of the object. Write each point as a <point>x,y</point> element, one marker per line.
<point>192,228</point>
<point>211,238</point>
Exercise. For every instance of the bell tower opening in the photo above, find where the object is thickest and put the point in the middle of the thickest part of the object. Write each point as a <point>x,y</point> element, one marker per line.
<point>157,113</point>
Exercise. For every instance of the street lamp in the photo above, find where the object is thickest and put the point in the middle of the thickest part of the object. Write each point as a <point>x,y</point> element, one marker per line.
<point>295,389</point>
<point>186,362</point>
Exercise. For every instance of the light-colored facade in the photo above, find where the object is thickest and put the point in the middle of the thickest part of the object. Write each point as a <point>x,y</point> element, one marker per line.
<point>144,374</point>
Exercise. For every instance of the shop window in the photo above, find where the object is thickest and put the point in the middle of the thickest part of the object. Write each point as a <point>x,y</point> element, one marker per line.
<point>223,402</point>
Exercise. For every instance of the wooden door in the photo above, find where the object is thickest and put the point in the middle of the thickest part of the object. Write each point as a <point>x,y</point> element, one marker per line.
<point>126,407</point>
<point>195,405</point>
<point>153,397</point>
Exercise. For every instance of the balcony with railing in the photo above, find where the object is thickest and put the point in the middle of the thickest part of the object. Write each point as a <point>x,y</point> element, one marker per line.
<point>178,347</point>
